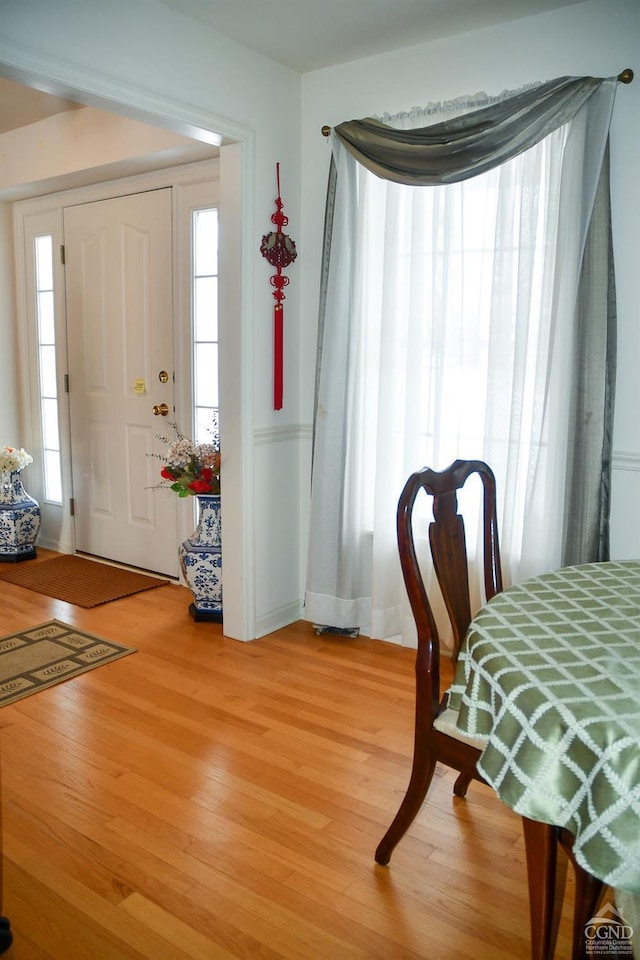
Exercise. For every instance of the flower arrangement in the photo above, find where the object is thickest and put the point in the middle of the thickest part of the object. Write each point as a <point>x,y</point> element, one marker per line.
<point>12,460</point>
<point>191,468</point>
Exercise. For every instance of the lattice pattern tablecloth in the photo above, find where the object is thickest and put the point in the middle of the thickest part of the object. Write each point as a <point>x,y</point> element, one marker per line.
<point>549,675</point>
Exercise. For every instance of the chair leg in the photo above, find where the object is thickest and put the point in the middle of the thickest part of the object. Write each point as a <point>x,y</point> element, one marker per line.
<point>461,785</point>
<point>6,936</point>
<point>421,776</point>
<point>545,893</point>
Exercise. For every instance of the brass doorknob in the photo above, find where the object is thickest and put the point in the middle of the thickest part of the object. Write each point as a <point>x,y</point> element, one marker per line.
<point>160,410</point>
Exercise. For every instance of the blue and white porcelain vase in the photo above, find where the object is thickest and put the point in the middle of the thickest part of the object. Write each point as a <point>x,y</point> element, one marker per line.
<point>201,561</point>
<point>19,520</point>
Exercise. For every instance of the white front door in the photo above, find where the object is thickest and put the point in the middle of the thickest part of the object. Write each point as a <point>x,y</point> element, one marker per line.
<point>118,266</point>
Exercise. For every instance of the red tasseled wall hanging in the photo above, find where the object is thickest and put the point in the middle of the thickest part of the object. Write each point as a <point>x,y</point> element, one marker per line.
<point>280,251</point>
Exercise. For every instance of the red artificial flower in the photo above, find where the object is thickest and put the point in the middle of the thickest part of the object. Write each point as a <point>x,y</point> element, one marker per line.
<point>200,486</point>
<point>166,473</point>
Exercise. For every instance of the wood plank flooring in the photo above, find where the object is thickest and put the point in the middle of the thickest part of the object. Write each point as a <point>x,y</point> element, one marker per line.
<point>205,799</point>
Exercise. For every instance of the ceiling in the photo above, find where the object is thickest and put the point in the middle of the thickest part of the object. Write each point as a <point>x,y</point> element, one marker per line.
<point>310,34</point>
<point>20,106</point>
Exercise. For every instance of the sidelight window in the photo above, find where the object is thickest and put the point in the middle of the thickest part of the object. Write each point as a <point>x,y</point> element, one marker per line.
<point>48,391</point>
<point>205,321</point>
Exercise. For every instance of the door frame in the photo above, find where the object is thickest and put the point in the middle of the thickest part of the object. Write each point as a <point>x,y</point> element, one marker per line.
<point>237,164</point>
<point>193,186</point>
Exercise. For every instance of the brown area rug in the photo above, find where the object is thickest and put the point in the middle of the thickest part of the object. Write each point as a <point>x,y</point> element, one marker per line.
<point>85,583</point>
<point>49,653</point>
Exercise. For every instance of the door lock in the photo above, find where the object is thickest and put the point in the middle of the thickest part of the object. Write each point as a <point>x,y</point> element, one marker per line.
<point>160,410</point>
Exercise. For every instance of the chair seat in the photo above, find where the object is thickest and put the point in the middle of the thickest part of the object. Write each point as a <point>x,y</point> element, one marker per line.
<point>446,723</point>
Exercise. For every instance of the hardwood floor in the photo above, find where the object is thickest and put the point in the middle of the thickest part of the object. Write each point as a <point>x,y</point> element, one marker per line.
<point>209,799</point>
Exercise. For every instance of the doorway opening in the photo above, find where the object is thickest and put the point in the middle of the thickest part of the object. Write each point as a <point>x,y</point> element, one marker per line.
<point>235,144</point>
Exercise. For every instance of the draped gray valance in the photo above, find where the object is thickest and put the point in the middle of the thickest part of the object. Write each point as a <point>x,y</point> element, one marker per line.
<point>471,144</point>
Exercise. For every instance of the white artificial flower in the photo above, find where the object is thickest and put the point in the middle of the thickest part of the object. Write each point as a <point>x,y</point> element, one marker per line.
<point>180,452</point>
<point>12,459</point>
<point>208,454</point>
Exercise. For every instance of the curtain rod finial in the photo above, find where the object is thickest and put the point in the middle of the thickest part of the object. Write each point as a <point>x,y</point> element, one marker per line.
<point>325,131</point>
<point>626,76</point>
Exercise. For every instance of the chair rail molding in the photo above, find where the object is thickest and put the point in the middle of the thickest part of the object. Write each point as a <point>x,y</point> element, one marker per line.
<point>625,460</point>
<point>282,434</point>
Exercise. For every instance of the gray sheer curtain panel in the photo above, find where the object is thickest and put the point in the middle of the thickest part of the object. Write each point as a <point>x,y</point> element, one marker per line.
<point>588,491</point>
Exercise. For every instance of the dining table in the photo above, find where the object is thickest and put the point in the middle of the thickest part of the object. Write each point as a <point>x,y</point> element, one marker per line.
<point>548,678</point>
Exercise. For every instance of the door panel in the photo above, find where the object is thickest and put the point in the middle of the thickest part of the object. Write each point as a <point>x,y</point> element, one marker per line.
<point>119,318</point>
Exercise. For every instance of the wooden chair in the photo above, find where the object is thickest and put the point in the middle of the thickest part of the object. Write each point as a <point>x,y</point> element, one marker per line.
<point>436,739</point>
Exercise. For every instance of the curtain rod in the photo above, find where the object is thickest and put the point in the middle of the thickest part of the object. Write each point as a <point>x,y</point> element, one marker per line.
<point>625,77</point>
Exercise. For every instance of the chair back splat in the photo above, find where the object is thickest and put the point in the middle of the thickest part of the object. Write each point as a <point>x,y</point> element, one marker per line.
<point>448,545</point>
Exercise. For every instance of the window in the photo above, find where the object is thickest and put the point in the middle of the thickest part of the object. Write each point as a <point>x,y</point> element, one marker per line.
<point>48,391</point>
<point>453,328</point>
<point>205,321</point>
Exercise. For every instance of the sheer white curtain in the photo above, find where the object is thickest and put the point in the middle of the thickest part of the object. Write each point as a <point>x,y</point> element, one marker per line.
<point>448,333</point>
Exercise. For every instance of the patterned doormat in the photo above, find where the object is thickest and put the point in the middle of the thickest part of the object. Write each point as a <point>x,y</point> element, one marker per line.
<point>85,583</point>
<point>40,656</point>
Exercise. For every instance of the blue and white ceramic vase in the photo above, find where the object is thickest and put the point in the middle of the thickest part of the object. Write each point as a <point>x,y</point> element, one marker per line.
<point>201,561</point>
<point>19,520</point>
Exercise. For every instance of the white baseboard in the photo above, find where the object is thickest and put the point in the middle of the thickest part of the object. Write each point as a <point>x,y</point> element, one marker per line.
<point>56,545</point>
<point>276,619</point>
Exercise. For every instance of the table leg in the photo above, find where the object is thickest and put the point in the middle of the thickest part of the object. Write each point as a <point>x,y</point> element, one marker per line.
<point>545,893</point>
<point>587,896</point>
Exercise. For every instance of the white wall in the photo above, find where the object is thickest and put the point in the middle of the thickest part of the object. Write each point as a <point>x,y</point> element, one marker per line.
<point>149,60</point>
<point>598,38</point>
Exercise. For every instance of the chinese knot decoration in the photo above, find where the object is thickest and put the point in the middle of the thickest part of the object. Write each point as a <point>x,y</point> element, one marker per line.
<point>280,251</point>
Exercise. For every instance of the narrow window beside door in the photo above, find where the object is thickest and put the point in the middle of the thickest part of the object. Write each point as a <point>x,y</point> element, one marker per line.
<point>205,320</point>
<point>47,368</point>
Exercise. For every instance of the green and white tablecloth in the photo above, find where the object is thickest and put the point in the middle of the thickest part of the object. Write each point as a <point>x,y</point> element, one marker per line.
<point>549,675</point>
